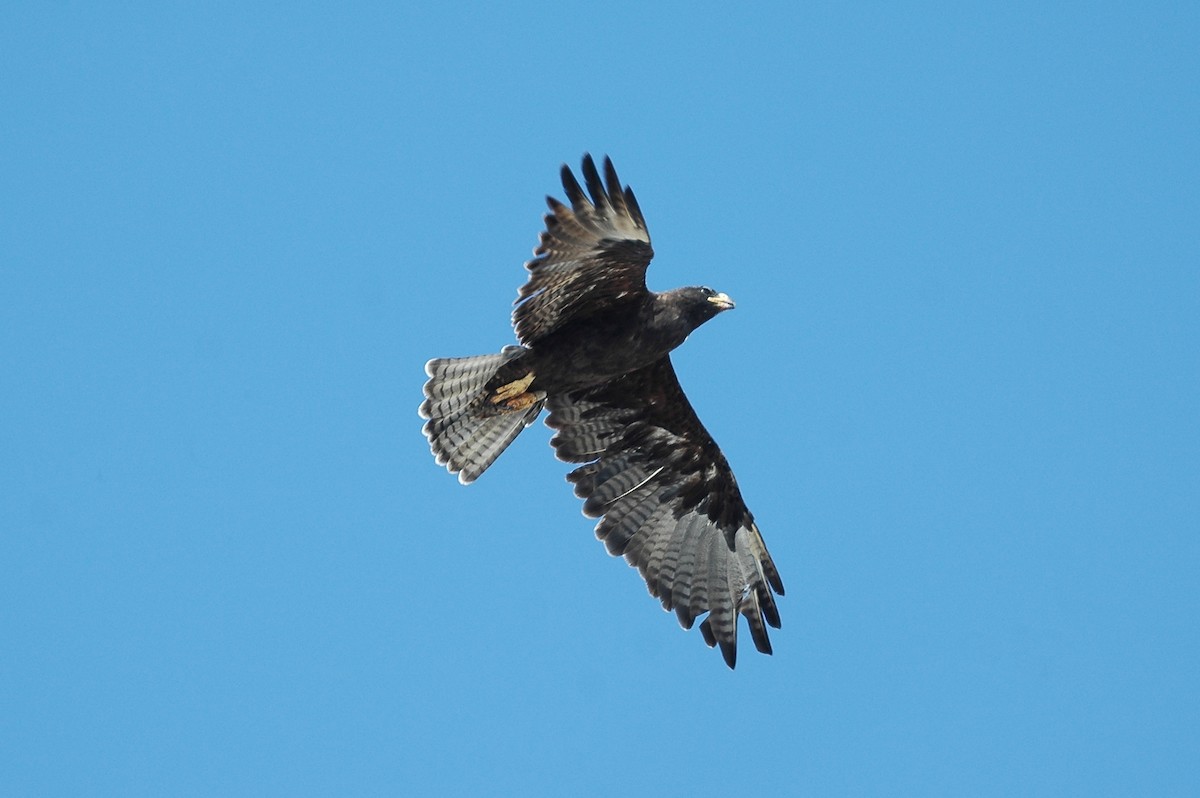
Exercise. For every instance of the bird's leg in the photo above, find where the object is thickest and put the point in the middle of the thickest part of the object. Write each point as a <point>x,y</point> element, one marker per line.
<point>524,401</point>
<point>511,390</point>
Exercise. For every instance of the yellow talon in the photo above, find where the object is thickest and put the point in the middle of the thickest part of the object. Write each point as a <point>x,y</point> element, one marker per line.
<point>512,389</point>
<point>522,401</point>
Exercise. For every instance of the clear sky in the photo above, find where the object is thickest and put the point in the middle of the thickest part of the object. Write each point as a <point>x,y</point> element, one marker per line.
<point>960,393</point>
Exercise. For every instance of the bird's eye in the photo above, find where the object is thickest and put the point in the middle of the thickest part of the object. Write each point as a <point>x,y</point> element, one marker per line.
<point>708,291</point>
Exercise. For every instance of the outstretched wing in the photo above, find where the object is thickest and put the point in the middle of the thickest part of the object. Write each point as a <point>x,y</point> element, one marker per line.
<point>591,255</point>
<point>669,502</point>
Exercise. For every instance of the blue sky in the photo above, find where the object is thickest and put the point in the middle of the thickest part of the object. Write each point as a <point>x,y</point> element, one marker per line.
<point>960,393</point>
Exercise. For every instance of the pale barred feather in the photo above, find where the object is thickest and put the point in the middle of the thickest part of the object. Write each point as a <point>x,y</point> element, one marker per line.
<point>454,382</point>
<point>593,428</point>
<point>758,549</point>
<point>466,433</point>
<point>615,486</point>
<point>751,606</point>
<point>672,563</point>
<point>451,403</point>
<point>607,469</point>
<point>720,628</point>
<point>625,518</point>
<point>448,369</point>
<point>590,444</point>
<point>638,550</point>
<point>470,444</point>
<point>762,572</point>
<point>458,377</point>
<point>676,567</point>
<point>704,595</point>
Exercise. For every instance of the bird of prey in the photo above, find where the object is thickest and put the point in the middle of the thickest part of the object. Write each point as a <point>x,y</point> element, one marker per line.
<point>593,350</point>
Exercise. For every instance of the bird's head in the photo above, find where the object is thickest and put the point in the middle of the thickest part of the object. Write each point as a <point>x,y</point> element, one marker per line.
<point>702,303</point>
<point>717,299</point>
<point>684,309</point>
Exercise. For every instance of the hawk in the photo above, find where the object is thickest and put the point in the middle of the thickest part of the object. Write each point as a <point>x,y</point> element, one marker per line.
<point>593,351</point>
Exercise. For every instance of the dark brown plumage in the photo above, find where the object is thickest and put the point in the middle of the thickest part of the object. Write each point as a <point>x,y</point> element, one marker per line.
<point>594,352</point>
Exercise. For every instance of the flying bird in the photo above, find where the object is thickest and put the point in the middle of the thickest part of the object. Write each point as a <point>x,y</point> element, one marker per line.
<point>594,346</point>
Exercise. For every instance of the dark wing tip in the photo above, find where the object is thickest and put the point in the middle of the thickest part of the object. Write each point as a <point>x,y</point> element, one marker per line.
<point>771,613</point>
<point>728,647</point>
<point>729,652</point>
<point>710,639</point>
<point>758,633</point>
<point>610,177</point>
<point>635,212</point>
<point>592,178</point>
<point>773,578</point>
<point>572,188</point>
<point>616,196</point>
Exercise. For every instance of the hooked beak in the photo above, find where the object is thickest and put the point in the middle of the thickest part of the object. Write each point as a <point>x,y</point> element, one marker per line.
<point>722,301</point>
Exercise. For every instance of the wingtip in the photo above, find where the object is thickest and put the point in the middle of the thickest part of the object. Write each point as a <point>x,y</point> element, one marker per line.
<point>574,191</point>
<point>729,652</point>
<point>610,176</point>
<point>728,647</point>
<point>591,178</point>
<point>706,631</point>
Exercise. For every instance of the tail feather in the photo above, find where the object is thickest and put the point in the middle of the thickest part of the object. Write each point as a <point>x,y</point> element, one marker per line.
<point>455,381</point>
<point>466,432</point>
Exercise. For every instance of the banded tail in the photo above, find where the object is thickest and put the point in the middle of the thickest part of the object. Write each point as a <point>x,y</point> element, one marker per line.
<point>469,425</point>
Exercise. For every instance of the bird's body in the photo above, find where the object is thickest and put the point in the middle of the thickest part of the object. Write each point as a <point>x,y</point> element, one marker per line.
<point>595,346</point>
<point>591,350</point>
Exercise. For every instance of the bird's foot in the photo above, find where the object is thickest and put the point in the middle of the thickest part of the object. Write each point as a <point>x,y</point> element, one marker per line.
<point>525,400</point>
<point>512,390</point>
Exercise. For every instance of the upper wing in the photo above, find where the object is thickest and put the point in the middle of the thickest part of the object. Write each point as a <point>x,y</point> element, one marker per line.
<point>590,255</point>
<point>669,502</point>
